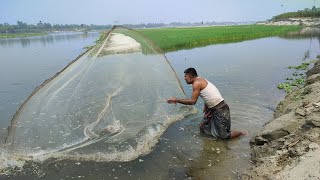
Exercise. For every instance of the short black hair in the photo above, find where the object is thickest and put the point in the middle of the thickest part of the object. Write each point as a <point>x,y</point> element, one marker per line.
<point>191,71</point>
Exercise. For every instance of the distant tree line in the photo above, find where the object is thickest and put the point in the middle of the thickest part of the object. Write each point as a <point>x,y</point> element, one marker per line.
<point>22,27</point>
<point>312,13</point>
<point>182,24</point>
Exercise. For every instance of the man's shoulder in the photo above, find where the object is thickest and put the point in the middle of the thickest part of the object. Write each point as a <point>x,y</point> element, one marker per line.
<point>200,82</point>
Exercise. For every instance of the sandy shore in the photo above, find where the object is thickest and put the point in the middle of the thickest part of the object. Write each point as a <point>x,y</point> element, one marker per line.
<point>121,44</point>
<point>288,147</point>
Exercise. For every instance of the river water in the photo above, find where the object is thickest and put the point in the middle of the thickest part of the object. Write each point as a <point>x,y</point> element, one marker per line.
<point>246,73</point>
<point>26,62</point>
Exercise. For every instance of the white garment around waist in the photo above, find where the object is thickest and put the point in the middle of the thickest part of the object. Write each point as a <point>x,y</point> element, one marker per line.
<point>211,95</point>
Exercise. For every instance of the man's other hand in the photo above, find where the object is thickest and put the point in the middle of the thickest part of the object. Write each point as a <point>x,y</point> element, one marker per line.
<point>172,100</point>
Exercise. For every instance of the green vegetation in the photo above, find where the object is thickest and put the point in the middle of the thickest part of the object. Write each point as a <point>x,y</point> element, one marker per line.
<point>22,29</point>
<point>98,43</point>
<point>171,39</point>
<point>299,77</point>
<point>311,13</point>
<point>102,36</point>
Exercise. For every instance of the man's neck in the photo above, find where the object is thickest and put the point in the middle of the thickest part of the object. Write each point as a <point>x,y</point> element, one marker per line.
<point>194,79</point>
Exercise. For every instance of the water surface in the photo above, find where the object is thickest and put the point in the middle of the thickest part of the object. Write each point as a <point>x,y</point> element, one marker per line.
<point>26,62</point>
<point>246,73</point>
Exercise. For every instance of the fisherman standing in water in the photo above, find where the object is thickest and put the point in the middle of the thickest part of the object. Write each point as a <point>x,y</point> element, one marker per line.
<point>216,119</point>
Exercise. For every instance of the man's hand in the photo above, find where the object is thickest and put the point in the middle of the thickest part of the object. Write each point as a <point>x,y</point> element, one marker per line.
<point>172,100</point>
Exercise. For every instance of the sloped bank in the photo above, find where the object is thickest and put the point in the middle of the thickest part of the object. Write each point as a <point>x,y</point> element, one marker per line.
<point>293,21</point>
<point>288,147</point>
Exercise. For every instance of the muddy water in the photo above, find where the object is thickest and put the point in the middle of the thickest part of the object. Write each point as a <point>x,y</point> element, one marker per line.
<point>246,74</point>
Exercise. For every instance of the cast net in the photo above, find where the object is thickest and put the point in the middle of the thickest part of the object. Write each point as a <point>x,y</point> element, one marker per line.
<point>107,105</point>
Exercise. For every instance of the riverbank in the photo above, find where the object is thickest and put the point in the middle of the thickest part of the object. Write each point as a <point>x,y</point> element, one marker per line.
<point>288,146</point>
<point>293,22</point>
<point>29,34</point>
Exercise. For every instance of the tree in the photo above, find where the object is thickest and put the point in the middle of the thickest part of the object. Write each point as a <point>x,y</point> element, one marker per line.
<point>21,25</point>
<point>47,26</point>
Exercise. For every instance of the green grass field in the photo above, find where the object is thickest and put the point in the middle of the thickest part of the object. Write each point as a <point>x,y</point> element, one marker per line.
<point>171,39</point>
<point>20,35</point>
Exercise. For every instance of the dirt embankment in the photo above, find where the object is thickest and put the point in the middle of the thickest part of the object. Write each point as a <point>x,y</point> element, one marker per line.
<point>288,147</point>
<point>294,22</point>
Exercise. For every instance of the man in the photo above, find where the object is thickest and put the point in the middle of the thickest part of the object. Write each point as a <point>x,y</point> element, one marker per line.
<point>216,120</point>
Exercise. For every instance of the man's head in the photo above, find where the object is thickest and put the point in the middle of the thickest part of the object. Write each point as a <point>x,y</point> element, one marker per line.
<point>189,75</point>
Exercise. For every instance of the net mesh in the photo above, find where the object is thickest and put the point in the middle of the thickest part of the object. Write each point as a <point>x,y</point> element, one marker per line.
<point>109,104</point>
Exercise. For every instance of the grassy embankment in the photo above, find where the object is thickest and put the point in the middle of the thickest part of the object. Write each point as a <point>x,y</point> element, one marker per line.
<point>171,39</point>
<point>16,35</point>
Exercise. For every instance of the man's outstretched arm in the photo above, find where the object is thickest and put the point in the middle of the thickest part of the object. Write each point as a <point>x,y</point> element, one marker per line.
<point>192,100</point>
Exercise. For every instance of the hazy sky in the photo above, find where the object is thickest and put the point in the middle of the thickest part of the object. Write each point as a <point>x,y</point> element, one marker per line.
<point>145,11</point>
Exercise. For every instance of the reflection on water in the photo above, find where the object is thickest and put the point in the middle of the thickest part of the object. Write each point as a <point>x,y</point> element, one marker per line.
<point>46,39</point>
<point>311,33</point>
<point>246,73</point>
<point>308,32</point>
<point>26,62</point>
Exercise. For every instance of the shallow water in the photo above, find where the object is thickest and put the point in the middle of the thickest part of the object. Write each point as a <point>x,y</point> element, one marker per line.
<point>246,74</point>
<point>26,62</point>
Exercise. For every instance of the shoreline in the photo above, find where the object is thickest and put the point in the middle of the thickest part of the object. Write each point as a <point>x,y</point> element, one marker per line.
<point>19,35</point>
<point>292,22</point>
<point>288,146</point>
